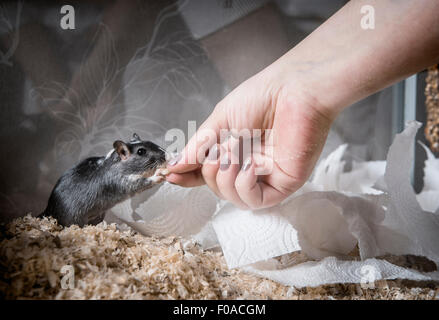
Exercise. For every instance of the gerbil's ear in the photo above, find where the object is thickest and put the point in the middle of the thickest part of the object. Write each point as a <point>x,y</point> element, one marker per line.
<point>121,149</point>
<point>135,138</point>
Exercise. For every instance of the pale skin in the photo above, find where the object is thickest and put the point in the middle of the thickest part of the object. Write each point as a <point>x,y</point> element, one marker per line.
<point>300,95</point>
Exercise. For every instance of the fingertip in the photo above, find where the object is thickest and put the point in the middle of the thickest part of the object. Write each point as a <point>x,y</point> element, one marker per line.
<point>182,168</point>
<point>173,161</point>
<point>174,178</point>
<point>179,164</point>
<point>190,179</point>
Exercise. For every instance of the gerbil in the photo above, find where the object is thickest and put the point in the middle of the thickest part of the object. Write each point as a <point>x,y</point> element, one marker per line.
<point>84,193</point>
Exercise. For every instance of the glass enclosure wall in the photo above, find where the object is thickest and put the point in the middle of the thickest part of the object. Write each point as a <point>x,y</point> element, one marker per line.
<point>68,91</point>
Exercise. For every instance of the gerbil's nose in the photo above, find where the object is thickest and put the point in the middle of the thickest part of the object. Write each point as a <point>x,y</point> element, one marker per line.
<point>162,155</point>
<point>159,154</point>
<point>156,153</point>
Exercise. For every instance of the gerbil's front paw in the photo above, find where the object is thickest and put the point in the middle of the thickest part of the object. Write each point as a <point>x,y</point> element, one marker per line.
<point>159,175</point>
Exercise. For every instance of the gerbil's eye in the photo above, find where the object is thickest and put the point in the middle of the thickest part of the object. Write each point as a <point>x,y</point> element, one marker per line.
<point>141,152</point>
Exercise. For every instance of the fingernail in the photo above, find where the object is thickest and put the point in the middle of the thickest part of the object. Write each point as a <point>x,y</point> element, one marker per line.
<point>213,153</point>
<point>174,160</point>
<point>224,163</point>
<point>247,164</point>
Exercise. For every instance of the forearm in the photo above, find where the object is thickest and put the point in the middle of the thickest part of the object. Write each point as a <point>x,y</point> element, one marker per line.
<point>340,62</point>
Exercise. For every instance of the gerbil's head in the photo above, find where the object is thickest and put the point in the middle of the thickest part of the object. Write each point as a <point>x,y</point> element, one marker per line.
<point>139,157</point>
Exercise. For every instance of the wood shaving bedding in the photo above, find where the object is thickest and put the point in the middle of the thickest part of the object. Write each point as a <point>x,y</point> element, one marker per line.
<point>113,264</point>
<point>432,108</point>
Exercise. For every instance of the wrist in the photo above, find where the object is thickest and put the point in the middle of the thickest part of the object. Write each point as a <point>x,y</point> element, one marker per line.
<point>323,84</point>
<point>298,85</point>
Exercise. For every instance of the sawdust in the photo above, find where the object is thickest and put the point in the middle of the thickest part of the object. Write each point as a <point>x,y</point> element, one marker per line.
<point>432,108</point>
<point>113,264</point>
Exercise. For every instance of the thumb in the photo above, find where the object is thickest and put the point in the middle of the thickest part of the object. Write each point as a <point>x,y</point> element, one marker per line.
<point>196,150</point>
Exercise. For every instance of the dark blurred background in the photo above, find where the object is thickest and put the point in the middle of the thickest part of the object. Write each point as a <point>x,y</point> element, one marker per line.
<point>146,67</point>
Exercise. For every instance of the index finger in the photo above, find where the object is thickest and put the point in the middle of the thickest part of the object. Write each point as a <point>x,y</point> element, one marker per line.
<point>196,150</point>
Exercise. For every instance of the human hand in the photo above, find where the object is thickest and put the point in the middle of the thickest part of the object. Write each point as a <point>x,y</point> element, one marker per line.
<point>294,128</point>
<point>299,95</point>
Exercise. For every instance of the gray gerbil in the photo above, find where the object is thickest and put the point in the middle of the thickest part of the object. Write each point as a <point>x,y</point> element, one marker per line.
<point>84,193</point>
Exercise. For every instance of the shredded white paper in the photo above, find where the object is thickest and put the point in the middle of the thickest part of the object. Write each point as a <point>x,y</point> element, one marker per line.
<point>310,238</point>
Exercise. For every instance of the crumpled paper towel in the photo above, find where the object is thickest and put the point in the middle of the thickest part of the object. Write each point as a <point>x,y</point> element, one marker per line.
<point>171,210</point>
<point>428,198</point>
<point>372,206</point>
